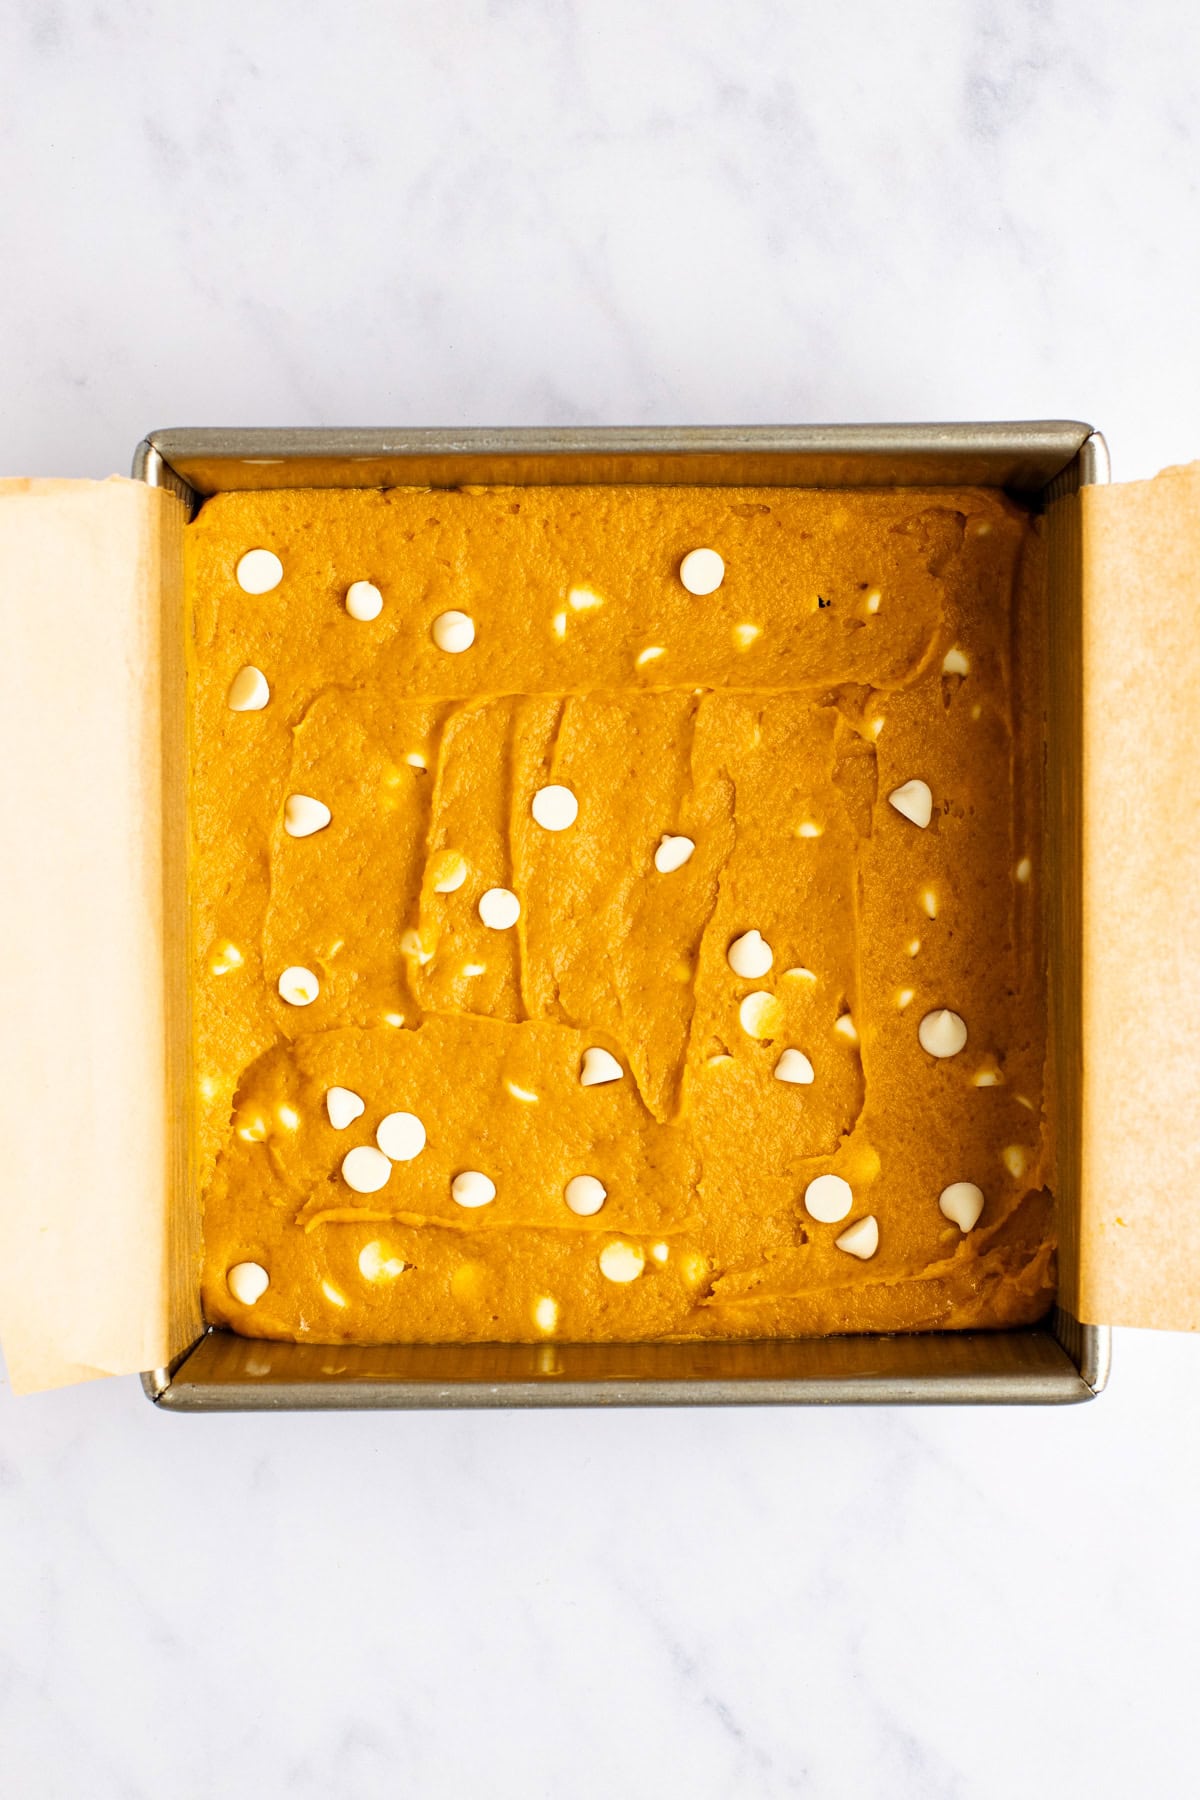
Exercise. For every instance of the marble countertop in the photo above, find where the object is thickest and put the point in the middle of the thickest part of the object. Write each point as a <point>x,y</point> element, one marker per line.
<point>534,212</point>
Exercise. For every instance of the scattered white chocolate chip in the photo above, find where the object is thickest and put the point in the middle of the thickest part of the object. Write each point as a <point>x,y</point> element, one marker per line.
<point>302,815</point>
<point>799,974</point>
<point>808,828</point>
<point>254,1131</point>
<point>413,945</point>
<point>955,663</point>
<point>259,571</point>
<point>558,625</point>
<point>401,1136</point>
<point>298,986</point>
<point>288,1117</point>
<point>499,909</point>
<point>828,1198</point>
<point>227,958</point>
<point>474,968</point>
<point>365,1169</point>
<point>585,1195</point>
<point>621,1262</point>
<point>650,654</point>
<point>248,691</point>
<point>913,801</point>
<point>905,997</point>
<point>333,1294</point>
<point>415,760</point>
<point>583,599</point>
<point>988,1076</point>
<point>660,1252</point>
<point>702,571</point>
<point>545,1313</point>
<point>760,1015</point>
<point>343,1106</point>
<point>520,1093</point>
<point>364,601</point>
<point>962,1201</point>
<point>391,1018</point>
<point>247,1282</point>
<point>375,1263</point>
<point>1025,1101</point>
<point>695,1267</point>
<point>451,868</point>
<point>1024,869</point>
<point>453,632</point>
<point>750,956</point>
<point>672,853</point>
<point>873,599</point>
<point>845,1027</point>
<point>471,1188</point>
<point>554,808</point>
<point>1014,1159</point>
<point>929,903</point>
<point>744,635</point>
<point>795,1068</point>
<point>913,945</point>
<point>942,1033</point>
<point>876,725</point>
<point>860,1239</point>
<point>599,1066</point>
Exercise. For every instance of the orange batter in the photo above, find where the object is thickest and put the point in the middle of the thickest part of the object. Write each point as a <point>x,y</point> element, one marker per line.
<point>860,646</point>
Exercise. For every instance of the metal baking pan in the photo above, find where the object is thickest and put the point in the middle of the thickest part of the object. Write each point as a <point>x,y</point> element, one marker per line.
<point>1059,1360</point>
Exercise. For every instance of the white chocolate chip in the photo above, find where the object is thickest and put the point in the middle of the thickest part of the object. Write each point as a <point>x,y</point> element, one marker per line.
<point>808,828</point>
<point>929,903</point>
<point>1024,869</point>
<point>583,599</point>
<point>1014,1160</point>
<point>412,945</point>
<point>913,946</point>
<point>521,1093</point>
<point>799,974</point>
<point>913,801</point>
<point>860,1239</point>
<point>364,601</point>
<point>259,571</point>
<point>453,632</point>
<point>672,853</point>
<point>955,662</point>
<point>401,1136</point>
<point>248,691</point>
<point>451,868</point>
<point>247,1282</point>
<point>702,571</point>
<point>873,599</point>
<point>288,1117</point>
<point>298,986</point>
<point>333,1294</point>
<point>499,909</point>
<point>795,1068</point>
<point>343,1106</point>
<point>760,1015</point>
<point>750,956</point>
<point>942,1033</point>
<point>962,1201</point>
<point>598,1067</point>
<point>845,1027</point>
<point>545,1313</point>
<point>375,1264</point>
<point>744,635</point>
<point>650,654</point>
<point>415,760</point>
<point>302,815</point>
<point>365,1169</point>
<point>660,1252</point>
<point>227,958</point>
<point>905,997</point>
<point>554,808</point>
<point>828,1198</point>
<point>585,1195</point>
<point>471,1188</point>
<point>621,1262</point>
<point>558,625</point>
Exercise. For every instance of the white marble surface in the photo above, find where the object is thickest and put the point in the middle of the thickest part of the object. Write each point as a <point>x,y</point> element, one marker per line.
<point>441,213</point>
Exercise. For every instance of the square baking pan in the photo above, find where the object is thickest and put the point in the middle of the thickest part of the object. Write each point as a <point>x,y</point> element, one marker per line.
<point>1059,1360</point>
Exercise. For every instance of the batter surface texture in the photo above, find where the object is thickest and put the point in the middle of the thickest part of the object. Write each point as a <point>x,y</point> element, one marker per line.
<point>861,647</point>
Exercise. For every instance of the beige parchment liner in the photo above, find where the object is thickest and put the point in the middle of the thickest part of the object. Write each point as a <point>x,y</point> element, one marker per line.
<point>1139,1177</point>
<point>97,1269</point>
